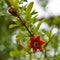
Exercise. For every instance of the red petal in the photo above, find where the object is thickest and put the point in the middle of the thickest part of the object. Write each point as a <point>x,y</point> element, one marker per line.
<point>37,38</point>
<point>34,49</point>
<point>30,45</point>
<point>40,48</point>
<point>32,39</point>
<point>41,42</point>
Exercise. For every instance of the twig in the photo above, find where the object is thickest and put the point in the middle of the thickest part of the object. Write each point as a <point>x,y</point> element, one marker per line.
<point>24,25</point>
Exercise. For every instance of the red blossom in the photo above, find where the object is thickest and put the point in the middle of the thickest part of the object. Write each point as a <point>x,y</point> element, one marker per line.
<point>36,43</point>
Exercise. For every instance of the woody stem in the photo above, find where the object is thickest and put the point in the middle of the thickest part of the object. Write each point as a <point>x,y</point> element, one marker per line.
<point>25,25</point>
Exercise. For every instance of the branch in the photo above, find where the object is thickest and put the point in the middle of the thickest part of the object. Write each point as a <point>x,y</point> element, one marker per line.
<point>13,11</point>
<point>25,25</point>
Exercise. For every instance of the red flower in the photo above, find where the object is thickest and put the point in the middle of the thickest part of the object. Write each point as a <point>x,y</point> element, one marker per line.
<point>36,43</point>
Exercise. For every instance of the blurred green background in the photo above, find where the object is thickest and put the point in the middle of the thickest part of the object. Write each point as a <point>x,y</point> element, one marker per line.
<point>5,33</point>
<point>6,44</point>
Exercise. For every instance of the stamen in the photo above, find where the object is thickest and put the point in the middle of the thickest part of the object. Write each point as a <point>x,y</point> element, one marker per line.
<point>36,44</point>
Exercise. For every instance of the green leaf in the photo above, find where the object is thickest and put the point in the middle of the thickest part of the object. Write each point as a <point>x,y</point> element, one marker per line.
<point>29,8</point>
<point>38,26</point>
<point>16,53</point>
<point>18,39</point>
<point>54,42</point>
<point>48,33</point>
<point>25,0</point>
<point>58,57</point>
<point>14,3</point>
<point>33,12</point>
<point>12,54</point>
<point>12,26</point>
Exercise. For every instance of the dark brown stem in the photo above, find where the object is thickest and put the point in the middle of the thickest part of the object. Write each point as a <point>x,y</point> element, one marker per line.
<point>25,25</point>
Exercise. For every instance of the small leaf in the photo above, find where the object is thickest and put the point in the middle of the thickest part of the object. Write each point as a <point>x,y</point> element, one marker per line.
<point>25,0</point>
<point>38,26</point>
<point>14,3</point>
<point>18,39</point>
<point>15,53</point>
<point>12,54</point>
<point>12,26</point>
<point>58,57</point>
<point>33,12</point>
<point>29,8</point>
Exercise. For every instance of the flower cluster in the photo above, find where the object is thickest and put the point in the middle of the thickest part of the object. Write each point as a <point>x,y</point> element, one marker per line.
<point>36,43</point>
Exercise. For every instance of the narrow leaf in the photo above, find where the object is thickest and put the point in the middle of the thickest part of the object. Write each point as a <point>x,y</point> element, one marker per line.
<point>29,8</point>
<point>12,26</point>
<point>38,26</point>
<point>14,3</point>
<point>33,12</point>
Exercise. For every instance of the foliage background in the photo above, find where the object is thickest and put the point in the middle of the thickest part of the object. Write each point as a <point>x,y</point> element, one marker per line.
<point>6,44</point>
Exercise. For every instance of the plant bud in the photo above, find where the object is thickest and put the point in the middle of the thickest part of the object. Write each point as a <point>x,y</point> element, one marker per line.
<point>12,11</point>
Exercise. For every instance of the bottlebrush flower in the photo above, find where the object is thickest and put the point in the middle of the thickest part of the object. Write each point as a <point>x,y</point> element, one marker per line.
<point>36,43</point>
<point>12,11</point>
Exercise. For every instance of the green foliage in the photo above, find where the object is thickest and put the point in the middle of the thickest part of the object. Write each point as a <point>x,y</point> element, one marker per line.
<point>25,0</point>
<point>53,21</point>
<point>28,9</point>
<point>58,57</point>
<point>38,26</point>
<point>15,53</point>
<point>55,42</point>
<point>23,27</point>
<point>33,12</point>
<point>14,2</point>
<point>12,25</point>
